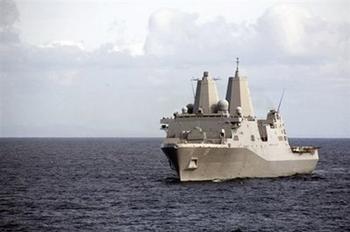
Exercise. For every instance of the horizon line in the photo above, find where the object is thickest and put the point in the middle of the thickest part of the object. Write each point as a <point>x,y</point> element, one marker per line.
<point>135,137</point>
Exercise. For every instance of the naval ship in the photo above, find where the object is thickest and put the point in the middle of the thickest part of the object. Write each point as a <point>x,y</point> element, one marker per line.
<point>214,139</point>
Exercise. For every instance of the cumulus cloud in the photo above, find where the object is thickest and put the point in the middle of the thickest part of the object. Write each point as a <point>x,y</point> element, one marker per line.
<point>283,34</point>
<point>8,13</point>
<point>62,83</point>
<point>8,17</point>
<point>299,36</point>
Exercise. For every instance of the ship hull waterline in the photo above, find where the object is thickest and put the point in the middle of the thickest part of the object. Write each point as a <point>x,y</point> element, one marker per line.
<point>224,163</point>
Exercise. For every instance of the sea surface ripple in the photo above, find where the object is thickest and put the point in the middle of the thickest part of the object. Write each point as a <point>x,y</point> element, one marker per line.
<point>124,184</point>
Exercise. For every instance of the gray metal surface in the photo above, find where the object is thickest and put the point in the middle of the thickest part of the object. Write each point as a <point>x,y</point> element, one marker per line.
<point>222,139</point>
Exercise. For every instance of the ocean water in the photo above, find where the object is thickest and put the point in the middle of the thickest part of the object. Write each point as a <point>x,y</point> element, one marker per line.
<point>115,184</point>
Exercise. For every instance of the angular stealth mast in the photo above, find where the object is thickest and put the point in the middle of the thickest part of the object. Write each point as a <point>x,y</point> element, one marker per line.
<point>218,140</point>
<point>206,95</point>
<point>238,94</point>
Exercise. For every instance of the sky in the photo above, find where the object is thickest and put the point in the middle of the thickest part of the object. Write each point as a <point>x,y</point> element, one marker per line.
<point>114,68</point>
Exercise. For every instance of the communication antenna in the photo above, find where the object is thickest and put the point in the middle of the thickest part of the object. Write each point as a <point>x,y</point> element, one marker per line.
<point>279,104</point>
<point>237,63</point>
<point>237,69</point>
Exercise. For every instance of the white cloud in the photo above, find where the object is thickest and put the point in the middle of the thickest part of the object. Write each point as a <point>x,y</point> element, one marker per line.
<point>8,13</point>
<point>65,78</point>
<point>126,85</point>
<point>284,26</point>
<point>283,34</point>
<point>64,43</point>
<point>8,17</point>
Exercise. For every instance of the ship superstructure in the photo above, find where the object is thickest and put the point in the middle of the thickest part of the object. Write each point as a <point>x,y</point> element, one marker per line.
<point>214,139</point>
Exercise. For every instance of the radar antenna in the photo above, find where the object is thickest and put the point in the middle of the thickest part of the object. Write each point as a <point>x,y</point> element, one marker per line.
<point>281,99</point>
<point>237,69</point>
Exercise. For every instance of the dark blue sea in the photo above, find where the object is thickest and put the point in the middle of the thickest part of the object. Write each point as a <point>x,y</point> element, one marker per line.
<point>126,184</point>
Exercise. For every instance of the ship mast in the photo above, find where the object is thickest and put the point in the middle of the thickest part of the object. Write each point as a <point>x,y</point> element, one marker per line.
<point>237,64</point>
<point>238,94</point>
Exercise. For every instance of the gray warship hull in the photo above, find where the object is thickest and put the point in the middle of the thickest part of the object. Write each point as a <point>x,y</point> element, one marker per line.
<point>216,139</point>
<point>201,162</point>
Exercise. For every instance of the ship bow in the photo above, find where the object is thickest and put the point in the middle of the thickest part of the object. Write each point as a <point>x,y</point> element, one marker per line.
<point>171,152</point>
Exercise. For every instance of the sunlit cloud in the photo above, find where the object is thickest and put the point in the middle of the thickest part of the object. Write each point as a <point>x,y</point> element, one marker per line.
<point>113,85</point>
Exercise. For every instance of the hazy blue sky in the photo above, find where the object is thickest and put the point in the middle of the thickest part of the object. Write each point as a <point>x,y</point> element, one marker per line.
<point>114,68</point>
